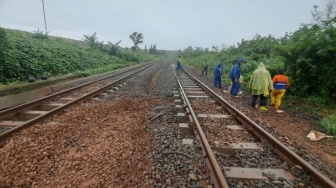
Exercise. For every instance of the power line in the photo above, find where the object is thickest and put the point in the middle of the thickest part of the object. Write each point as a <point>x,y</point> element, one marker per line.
<point>67,14</point>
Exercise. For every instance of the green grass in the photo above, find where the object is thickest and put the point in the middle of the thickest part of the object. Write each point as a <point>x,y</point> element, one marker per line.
<point>329,124</point>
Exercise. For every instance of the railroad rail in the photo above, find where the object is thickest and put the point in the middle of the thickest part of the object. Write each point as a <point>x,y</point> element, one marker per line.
<point>37,110</point>
<point>190,88</point>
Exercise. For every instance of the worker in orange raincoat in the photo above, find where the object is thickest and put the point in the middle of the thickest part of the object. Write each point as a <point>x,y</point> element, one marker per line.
<point>280,84</point>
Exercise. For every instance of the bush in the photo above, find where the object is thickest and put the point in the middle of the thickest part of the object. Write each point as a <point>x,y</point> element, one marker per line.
<point>329,125</point>
<point>309,55</point>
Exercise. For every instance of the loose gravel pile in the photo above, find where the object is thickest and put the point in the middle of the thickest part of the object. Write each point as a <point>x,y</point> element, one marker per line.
<point>91,144</point>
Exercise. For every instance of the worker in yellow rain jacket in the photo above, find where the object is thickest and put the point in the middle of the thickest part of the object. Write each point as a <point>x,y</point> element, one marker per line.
<point>260,86</point>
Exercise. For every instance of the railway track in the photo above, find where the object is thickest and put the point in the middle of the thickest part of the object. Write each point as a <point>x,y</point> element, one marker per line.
<point>236,148</point>
<point>131,138</point>
<point>22,116</point>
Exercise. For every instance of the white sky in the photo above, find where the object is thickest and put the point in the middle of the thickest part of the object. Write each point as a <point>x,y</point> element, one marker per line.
<point>170,24</point>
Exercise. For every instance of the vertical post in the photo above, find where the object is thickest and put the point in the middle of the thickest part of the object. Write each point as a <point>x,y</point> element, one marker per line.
<point>45,22</point>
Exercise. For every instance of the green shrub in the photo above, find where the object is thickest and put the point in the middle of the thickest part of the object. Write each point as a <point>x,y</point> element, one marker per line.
<point>329,124</point>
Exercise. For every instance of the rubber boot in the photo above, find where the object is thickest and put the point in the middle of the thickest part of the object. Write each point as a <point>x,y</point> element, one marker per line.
<point>263,108</point>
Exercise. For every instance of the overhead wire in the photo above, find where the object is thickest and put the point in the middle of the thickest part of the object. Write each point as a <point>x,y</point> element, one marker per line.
<point>75,19</point>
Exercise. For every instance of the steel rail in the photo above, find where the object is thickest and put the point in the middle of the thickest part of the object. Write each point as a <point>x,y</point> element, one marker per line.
<point>219,179</point>
<point>36,102</point>
<point>279,148</point>
<point>33,121</point>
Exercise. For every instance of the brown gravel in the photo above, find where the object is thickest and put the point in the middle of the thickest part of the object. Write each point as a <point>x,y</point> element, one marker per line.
<point>104,148</point>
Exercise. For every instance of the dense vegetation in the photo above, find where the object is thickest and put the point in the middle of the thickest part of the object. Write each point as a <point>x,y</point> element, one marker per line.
<point>308,57</point>
<point>24,54</point>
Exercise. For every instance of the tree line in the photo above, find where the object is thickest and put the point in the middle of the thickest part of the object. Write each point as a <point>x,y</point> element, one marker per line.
<point>110,48</point>
<point>308,55</point>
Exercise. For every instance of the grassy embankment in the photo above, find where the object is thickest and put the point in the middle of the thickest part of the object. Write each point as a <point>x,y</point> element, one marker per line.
<point>25,54</point>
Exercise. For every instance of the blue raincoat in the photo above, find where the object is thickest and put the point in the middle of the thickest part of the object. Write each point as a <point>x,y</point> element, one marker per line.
<point>218,71</point>
<point>179,65</point>
<point>235,76</point>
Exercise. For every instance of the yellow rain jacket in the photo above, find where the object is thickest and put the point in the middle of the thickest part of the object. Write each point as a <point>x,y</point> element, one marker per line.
<point>261,81</point>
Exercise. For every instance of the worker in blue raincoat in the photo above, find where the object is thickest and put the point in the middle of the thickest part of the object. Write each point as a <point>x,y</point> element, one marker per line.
<point>179,64</point>
<point>235,76</point>
<point>218,71</point>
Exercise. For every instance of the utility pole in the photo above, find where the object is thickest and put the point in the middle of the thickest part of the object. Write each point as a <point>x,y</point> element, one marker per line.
<point>45,22</point>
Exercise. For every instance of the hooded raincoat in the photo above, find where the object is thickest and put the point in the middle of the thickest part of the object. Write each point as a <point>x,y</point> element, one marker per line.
<point>235,76</point>
<point>218,71</point>
<point>179,65</point>
<point>235,71</point>
<point>261,81</point>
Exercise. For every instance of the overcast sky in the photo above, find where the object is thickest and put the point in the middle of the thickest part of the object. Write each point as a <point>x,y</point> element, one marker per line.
<point>170,24</point>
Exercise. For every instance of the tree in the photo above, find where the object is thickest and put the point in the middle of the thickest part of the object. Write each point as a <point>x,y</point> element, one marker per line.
<point>152,49</point>
<point>215,48</point>
<point>101,45</point>
<point>327,18</point>
<point>116,44</point>
<point>92,40</point>
<point>309,55</point>
<point>39,34</point>
<point>113,48</point>
<point>137,39</point>
<point>3,41</point>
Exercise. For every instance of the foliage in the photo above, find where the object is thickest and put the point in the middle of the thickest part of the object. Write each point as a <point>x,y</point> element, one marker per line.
<point>307,56</point>
<point>327,18</point>
<point>3,45</point>
<point>259,49</point>
<point>137,39</point>
<point>23,55</point>
<point>92,40</point>
<point>153,50</point>
<point>329,124</point>
<point>310,57</point>
<point>112,49</point>
<point>39,34</point>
